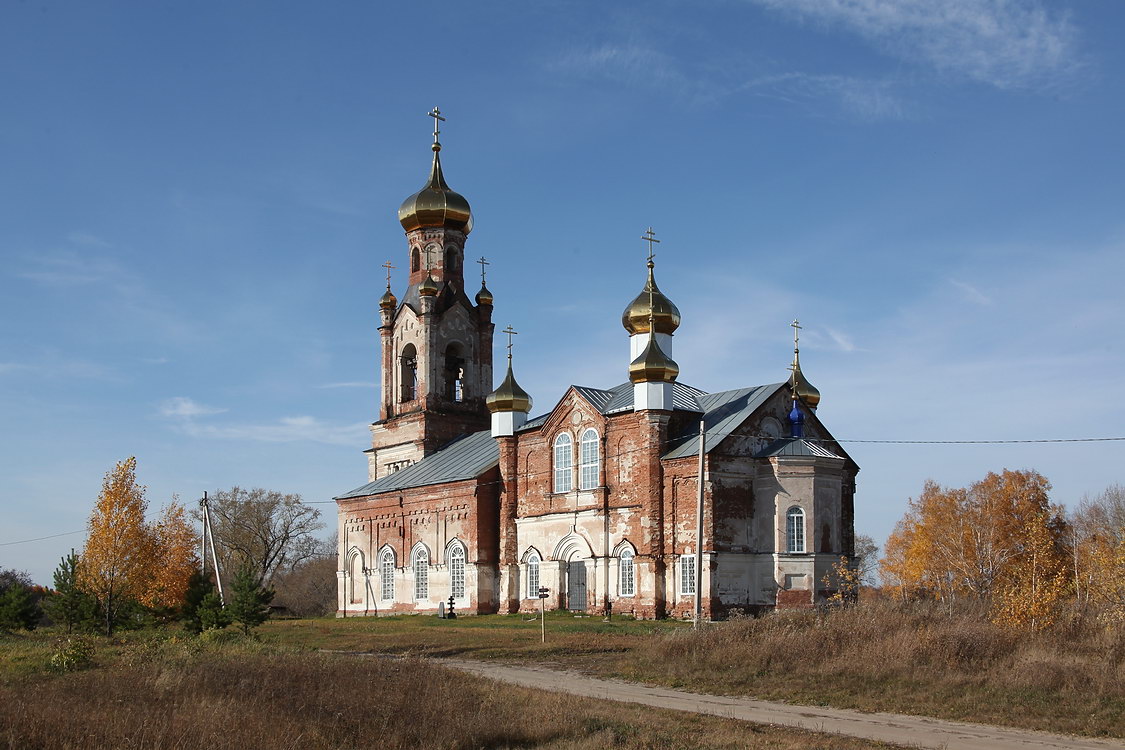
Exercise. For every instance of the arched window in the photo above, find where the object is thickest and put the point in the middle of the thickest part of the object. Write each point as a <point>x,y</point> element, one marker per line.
<point>589,461</point>
<point>454,372</point>
<point>533,576</point>
<point>627,581</point>
<point>409,372</point>
<point>450,261</point>
<point>421,574</point>
<point>457,571</point>
<point>564,463</point>
<point>387,575</point>
<point>415,260</point>
<point>795,530</point>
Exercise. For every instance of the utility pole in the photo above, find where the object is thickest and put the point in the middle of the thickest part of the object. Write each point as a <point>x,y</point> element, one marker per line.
<point>699,531</point>
<point>208,534</point>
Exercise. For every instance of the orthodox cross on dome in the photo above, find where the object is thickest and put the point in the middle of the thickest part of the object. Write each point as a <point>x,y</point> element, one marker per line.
<point>650,237</point>
<point>482,263</point>
<point>438,119</point>
<point>796,326</point>
<point>388,266</point>
<point>511,332</point>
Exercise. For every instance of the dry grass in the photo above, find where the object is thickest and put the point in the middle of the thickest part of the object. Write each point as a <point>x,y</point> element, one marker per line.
<point>877,657</point>
<point>918,661</point>
<point>243,695</point>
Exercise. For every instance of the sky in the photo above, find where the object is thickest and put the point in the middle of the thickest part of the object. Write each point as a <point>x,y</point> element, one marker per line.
<point>197,198</point>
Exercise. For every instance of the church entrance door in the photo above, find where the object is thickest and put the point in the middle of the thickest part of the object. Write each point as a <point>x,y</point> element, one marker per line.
<point>576,585</point>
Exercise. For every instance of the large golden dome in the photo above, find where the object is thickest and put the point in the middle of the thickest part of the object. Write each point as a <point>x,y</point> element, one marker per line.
<point>653,366</point>
<point>436,205</point>
<point>509,396</point>
<point>664,314</point>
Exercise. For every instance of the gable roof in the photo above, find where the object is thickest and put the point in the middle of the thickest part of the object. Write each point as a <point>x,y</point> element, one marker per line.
<point>723,412</point>
<point>466,457</point>
<point>794,446</point>
<point>619,398</point>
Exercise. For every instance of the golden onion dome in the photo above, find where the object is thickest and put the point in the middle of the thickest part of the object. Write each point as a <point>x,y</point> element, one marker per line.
<point>484,297</point>
<point>663,312</point>
<point>436,205</point>
<point>388,301</point>
<point>509,396</point>
<point>653,365</point>
<point>429,287</point>
<point>805,390</point>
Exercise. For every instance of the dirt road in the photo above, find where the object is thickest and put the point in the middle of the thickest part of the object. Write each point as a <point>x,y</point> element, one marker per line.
<point>896,728</point>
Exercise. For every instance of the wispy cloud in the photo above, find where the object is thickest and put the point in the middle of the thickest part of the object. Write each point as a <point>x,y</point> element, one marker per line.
<point>189,417</point>
<point>87,239</point>
<point>866,99</point>
<point>1009,44</point>
<point>285,430</point>
<point>971,293</point>
<point>186,408</point>
<point>635,65</point>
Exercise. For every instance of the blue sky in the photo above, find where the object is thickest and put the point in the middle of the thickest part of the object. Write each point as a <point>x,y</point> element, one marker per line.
<point>197,199</point>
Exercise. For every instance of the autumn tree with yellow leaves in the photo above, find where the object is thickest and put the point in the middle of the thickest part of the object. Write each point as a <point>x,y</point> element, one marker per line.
<point>125,559</point>
<point>1000,540</point>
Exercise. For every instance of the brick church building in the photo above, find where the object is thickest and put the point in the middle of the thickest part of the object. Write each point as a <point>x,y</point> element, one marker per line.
<point>470,497</point>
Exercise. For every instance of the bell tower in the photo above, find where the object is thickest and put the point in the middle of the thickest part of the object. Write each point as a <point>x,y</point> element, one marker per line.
<point>436,343</point>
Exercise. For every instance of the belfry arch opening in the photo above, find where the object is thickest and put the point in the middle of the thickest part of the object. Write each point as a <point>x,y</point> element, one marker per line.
<point>455,372</point>
<point>408,375</point>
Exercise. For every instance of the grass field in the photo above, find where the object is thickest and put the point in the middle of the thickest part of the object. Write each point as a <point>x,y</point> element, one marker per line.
<point>156,690</point>
<point>873,658</point>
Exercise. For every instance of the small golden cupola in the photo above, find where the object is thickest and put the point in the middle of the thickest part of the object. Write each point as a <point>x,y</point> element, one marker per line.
<point>653,366</point>
<point>484,297</point>
<point>799,384</point>
<point>388,301</point>
<point>509,404</point>
<point>436,204</point>
<point>428,287</point>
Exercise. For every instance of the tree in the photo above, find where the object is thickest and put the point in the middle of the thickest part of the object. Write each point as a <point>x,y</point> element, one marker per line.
<point>69,605</point>
<point>866,560</point>
<point>1032,585</point>
<point>19,608</point>
<point>211,614</point>
<point>250,602</point>
<point>309,590</point>
<point>119,553</point>
<point>263,529</point>
<point>175,543</point>
<point>1096,541</point>
<point>973,542</point>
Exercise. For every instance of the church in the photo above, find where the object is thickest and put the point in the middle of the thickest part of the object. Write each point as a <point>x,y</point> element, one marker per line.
<point>472,500</point>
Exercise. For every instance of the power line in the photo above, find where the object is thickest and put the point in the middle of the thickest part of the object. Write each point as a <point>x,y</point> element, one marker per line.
<point>41,538</point>
<point>809,439</point>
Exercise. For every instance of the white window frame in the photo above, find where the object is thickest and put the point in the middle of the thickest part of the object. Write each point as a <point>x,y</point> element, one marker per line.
<point>387,575</point>
<point>795,530</point>
<point>564,463</point>
<point>532,587</point>
<point>626,573</point>
<point>457,571</point>
<point>688,584</point>
<point>589,463</point>
<point>420,562</point>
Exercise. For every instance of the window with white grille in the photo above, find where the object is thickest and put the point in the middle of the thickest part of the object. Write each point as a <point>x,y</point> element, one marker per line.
<point>564,463</point>
<point>457,572</point>
<point>533,576</point>
<point>387,575</point>
<point>627,579</point>
<point>687,574</point>
<point>589,461</point>
<point>795,530</point>
<point>421,574</point>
